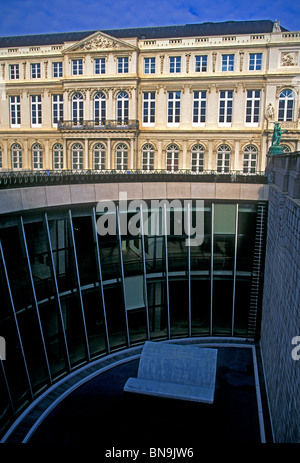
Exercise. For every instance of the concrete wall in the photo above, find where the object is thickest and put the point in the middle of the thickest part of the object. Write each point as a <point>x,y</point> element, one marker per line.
<point>281,315</point>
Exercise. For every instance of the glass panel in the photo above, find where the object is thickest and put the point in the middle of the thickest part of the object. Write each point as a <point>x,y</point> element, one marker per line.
<point>158,316</point>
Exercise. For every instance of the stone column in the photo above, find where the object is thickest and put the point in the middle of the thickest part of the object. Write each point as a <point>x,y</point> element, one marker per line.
<point>236,161</point>
<point>86,154</point>
<point>108,154</point>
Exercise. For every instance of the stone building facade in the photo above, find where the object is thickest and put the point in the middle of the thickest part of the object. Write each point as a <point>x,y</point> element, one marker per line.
<point>198,97</point>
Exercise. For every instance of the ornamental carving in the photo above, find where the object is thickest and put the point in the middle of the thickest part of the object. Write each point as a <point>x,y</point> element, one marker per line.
<point>99,42</point>
<point>288,59</point>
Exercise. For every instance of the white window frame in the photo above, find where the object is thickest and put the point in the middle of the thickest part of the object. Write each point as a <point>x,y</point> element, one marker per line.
<point>286,96</point>
<point>57,109</point>
<point>99,108</point>
<point>201,63</point>
<point>37,156</point>
<point>123,65</point>
<point>58,156</point>
<point>223,158</point>
<point>148,153</point>
<point>175,64</point>
<point>255,62</point>
<point>148,109</point>
<point>99,66</point>
<point>172,158</point>
<point>57,69</point>
<point>122,152</point>
<point>99,156</point>
<point>16,156</point>
<point>228,62</point>
<point>35,70</point>
<point>226,103</point>
<point>77,156</point>
<point>77,108</point>
<point>36,110</point>
<point>14,71</point>
<point>15,111</point>
<point>199,108</point>
<point>250,155</point>
<point>149,65</point>
<point>197,158</point>
<point>252,108</point>
<point>122,113</point>
<point>77,67</point>
<point>174,109</point>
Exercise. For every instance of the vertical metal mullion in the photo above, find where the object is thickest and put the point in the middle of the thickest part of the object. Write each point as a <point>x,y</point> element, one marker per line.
<point>100,277</point>
<point>212,266</point>
<point>7,387</point>
<point>16,320</point>
<point>122,276</point>
<point>167,269</point>
<point>144,271</point>
<point>79,284</point>
<point>189,268</point>
<point>234,268</point>
<point>57,291</point>
<point>35,299</point>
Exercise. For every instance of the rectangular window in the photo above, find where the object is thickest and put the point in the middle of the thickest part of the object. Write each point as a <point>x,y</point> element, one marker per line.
<point>175,64</point>
<point>123,65</point>
<point>201,63</point>
<point>255,60</point>
<point>15,111</point>
<point>174,107</point>
<point>149,65</point>
<point>57,69</point>
<point>58,157</point>
<point>77,67</point>
<point>57,109</point>
<point>36,110</point>
<point>199,107</point>
<point>14,71</point>
<point>253,107</point>
<point>225,108</point>
<point>227,62</point>
<point>148,108</point>
<point>99,65</point>
<point>35,70</point>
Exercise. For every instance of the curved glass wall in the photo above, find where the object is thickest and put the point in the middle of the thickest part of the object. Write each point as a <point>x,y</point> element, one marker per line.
<point>78,284</point>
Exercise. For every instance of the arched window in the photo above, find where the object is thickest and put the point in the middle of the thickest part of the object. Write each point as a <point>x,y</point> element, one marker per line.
<point>99,108</point>
<point>77,156</point>
<point>99,156</point>
<point>121,156</point>
<point>223,158</point>
<point>197,158</point>
<point>58,156</point>
<point>37,156</point>
<point>122,108</point>
<point>16,156</point>
<point>286,105</point>
<point>148,157</point>
<point>250,159</point>
<point>172,157</point>
<point>77,108</point>
<point>286,148</point>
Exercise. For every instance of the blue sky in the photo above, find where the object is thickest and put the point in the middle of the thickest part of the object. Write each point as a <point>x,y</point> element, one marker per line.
<point>22,17</point>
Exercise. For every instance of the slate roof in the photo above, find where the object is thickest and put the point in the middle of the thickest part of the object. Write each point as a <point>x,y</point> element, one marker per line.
<point>186,30</point>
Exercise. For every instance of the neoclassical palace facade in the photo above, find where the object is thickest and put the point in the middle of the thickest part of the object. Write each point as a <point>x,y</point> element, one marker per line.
<point>200,97</point>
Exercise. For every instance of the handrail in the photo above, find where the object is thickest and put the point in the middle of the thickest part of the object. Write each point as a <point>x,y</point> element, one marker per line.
<point>100,124</point>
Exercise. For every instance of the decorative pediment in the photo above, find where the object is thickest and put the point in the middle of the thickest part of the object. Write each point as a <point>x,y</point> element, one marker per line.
<point>99,42</point>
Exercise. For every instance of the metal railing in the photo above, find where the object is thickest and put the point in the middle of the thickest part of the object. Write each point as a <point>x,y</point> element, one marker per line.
<point>26,178</point>
<point>98,125</point>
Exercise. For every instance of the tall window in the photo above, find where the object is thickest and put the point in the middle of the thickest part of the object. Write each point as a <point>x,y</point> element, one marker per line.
<point>253,107</point>
<point>14,71</point>
<point>197,158</point>
<point>99,65</point>
<point>201,63</point>
<point>148,157</point>
<point>57,109</point>
<point>77,67</point>
<point>16,156</point>
<point>172,157</point>
<point>100,108</point>
<point>35,70</point>
<point>250,159</point>
<point>37,156</point>
<point>15,111</point>
<point>36,110</point>
<point>77,156</point>
<point>227,62</point>
<point>286,105</point>
<point>77,108</point>
<point>175,64</point>
<point>58,156</point>
<point>57,69</point>
<point>148,108</point>
<point>174,107</point>
<point>199,107</point>
<point>123,63</point>
<point>122,156</point>
<point>255,60</point>
<point>122,108</point>
<point>99,156</point>
<point>225,108</point>
<point>223,158</point>
<point>149,65</point>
